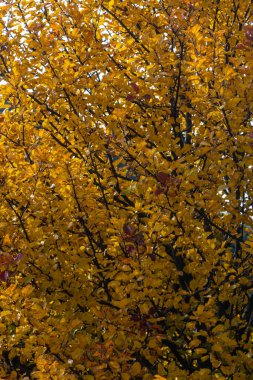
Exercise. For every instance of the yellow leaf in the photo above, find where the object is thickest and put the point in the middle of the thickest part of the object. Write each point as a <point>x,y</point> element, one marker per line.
<point>7,239</point>
<point>200,351</point>
<point>217,347</point>
<point>2,327</point>
<point>110,4</point>
<point>135,369</point>
<point>152,343</point>
<point>5,313</point>
<point>195,343</point>
<point>27,291</point>
<point>122,303</point>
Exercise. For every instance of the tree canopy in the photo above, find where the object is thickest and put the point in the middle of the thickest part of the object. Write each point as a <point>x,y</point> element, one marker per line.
<point>126,190</point>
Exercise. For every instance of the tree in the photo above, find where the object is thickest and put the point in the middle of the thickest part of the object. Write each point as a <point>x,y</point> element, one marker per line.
<point>126,189</point>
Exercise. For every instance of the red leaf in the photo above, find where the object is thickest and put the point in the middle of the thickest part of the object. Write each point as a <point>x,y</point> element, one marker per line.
<point>247,42</point>
<point>135,87</point>
<point>4,275</point>
<point>159,191</point>
<point>248,30</point>
<point>128,230</point>
<point>130,97</point>
<point>241,46</point>
<point>249,35</point>
<point>162,178</point>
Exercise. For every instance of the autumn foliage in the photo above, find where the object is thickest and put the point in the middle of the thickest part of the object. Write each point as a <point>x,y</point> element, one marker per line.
<point>126,190</point>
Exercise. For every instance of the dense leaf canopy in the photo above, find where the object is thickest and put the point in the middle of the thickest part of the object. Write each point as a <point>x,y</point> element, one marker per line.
<point>126,189</point>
